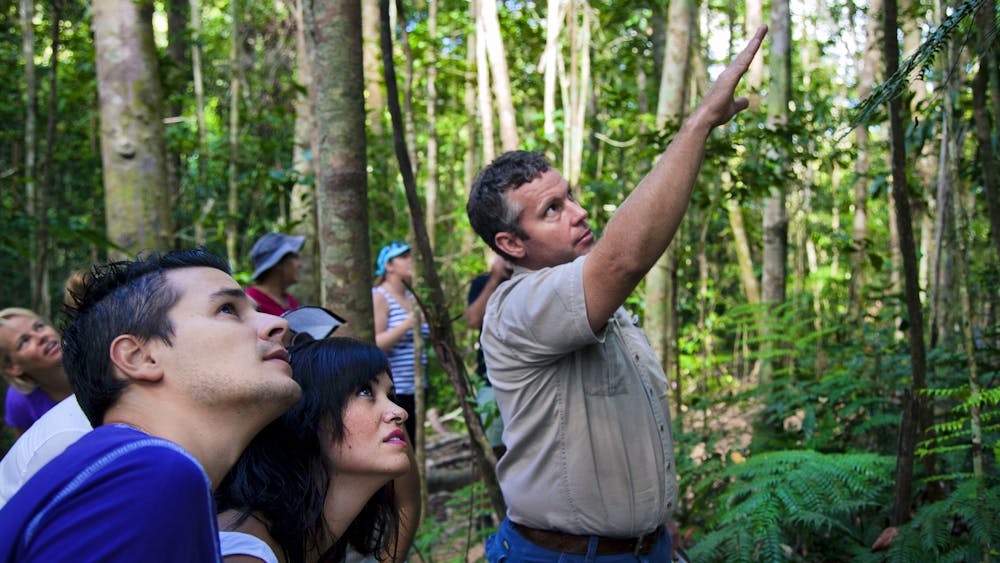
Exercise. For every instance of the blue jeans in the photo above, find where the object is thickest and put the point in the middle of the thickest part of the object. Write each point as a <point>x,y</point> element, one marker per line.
<point>508,546</point>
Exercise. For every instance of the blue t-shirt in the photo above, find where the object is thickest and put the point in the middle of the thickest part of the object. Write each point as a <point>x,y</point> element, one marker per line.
<point>117,494</point>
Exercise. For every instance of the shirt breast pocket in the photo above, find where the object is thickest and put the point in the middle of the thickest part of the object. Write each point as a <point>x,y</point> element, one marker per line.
<point>605,367</point>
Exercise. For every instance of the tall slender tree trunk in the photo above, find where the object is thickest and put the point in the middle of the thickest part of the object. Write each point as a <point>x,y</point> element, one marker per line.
<point>132,148</point>
<point>962,239</point>
<point>47,187</point>
<point>493,41</point>
<point>909,430</point>
<point>578,87</point>
<point>333,31</point>
<point>34,209</point>
<point>431,185</point>
<point>484,92</point>
<point>303,201</point>
<point>233,192</point>
<point>554,16</point>
<point>469,99</point>
<point>411,134</point>
<point>199,88</point>
<point>176,76</point>
<point>374,96</point>
<point>437,311</point>
<point>775,273</point>
<point>754,78</point>
<point>981,113</point>
<point>870,60</point>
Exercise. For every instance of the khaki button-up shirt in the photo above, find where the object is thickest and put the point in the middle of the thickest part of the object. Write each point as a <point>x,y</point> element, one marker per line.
<point>587,423</point>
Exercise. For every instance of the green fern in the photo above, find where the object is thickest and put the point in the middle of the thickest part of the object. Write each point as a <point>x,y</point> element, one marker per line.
<point>952,529</point>
<point>806,499</point>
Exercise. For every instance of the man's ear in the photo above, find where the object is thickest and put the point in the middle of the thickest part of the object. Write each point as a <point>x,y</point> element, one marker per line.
<point>135,359</point>
<point>510,243</point>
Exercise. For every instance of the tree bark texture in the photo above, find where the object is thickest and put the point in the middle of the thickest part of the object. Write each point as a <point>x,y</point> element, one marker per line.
<point>333,31</point>
<point>133,153</point>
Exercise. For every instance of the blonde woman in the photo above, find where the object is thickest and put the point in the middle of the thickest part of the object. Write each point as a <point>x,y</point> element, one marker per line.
<point>31,363</point>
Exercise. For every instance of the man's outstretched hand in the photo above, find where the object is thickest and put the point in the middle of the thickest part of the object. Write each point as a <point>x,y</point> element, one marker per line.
<point>718,105</point>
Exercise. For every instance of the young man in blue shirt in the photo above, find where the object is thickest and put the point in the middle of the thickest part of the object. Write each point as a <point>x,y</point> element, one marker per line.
<point>177,371</point>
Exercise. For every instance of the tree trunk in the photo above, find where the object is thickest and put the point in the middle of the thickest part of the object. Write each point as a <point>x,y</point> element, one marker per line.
<point>431,185</point>
<point>987,156</point>
<point>870,61</point>
<point>411,134</point>
<point>41,300</point>
<point>940,278</point>
<point>31,189</point>
<point>374,96</point>
<point>774,261</point>
<point>469,99</point>
<point>233,192</point>
<point>754,78</point>
<point>918,362</point>
<point>578,88</point>
<point>751,289</point>
<point>302,207</point>
<point>177,44</point>
<point>484,92</point>
<point>493,41</point>
<point>442,335</point>
<point>199,88</point>
<point>963,237</point>
<point>333,28</point>
<point>132,148</point>
<point>775,219</point>
<point>554,16</point>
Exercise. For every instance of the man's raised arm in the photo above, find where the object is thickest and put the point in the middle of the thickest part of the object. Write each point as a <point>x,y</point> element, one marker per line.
<point>642,228</point>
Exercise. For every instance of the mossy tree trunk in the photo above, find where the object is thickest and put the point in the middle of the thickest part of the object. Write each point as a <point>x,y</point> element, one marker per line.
<point>333,32</point>
<point>133,153</point>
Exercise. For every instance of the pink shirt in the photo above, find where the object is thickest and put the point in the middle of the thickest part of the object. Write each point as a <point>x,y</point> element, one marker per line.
<point>268,305</point>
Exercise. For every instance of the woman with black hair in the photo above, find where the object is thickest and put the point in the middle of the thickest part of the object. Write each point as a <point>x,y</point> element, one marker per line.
<point>335,470</point>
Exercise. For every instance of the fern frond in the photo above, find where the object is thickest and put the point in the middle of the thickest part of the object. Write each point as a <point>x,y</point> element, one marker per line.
<point>922,58</point>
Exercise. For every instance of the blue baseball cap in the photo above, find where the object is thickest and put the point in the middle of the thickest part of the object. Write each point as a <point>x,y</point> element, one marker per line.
<point>388,252</point>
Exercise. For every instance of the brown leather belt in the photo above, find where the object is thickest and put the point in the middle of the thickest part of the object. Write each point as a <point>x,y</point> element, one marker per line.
<point>578,545</point>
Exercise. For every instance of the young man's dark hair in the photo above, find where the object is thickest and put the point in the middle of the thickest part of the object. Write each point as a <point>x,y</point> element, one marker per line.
<point>488,208</point>
<point>125,297</point>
